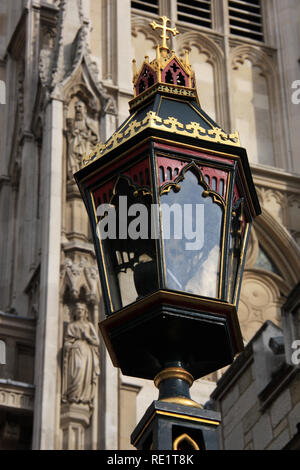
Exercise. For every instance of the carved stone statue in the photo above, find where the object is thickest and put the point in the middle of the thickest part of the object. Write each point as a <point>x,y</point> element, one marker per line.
<point>82,135</point>
<point>81,358</point>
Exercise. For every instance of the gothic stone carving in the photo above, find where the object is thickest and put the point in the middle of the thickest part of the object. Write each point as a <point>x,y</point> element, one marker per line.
<point>274,202</point>
<point>81,360</point>
<point>79,275</point>
<point>82,136</point>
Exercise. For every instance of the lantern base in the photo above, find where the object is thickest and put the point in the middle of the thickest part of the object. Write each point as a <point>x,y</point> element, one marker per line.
<point>166,328</point>
<point>171,426</point>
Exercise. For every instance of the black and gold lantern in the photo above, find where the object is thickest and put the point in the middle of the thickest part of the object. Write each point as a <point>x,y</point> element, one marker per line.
<point>171,201</point>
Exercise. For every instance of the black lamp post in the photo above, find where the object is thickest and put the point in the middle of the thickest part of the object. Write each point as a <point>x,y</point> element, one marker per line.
<point>171,201</point>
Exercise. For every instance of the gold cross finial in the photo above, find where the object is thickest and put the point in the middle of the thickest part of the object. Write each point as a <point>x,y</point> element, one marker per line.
<point>165,30</point>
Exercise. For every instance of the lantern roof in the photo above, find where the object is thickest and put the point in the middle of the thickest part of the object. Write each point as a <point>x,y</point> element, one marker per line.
<point>165,100</point>
<point>166,68</point>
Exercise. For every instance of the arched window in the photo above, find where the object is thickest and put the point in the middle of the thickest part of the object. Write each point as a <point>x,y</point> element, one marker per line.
<point>251,111</point>
<point>208,62</point>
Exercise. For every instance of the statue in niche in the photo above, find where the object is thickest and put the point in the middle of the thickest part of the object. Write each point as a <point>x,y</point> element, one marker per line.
<point>82,136</point>
<point>81,358</point>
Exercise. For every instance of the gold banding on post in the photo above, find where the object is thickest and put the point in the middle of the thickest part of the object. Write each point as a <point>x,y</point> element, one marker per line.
<point>182,401</point>
<point>173,373</point>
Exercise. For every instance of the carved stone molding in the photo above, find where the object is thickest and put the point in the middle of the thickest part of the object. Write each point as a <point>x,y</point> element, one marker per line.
<point>257,56</point>
<point>74,421</point>
<point>260,300</point>
<point>275,202</point>
<point>16,395</point>
<point>204,44</point>
<point>79,280</point>
<point>59,62</point>
<point>141,25</point>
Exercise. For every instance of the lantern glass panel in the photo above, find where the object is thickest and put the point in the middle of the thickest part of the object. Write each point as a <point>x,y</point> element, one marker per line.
<point>192,227</point>
<point>129,253</point>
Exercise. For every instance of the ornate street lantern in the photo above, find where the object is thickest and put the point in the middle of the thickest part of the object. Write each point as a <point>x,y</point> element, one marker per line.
<point>171,200</point>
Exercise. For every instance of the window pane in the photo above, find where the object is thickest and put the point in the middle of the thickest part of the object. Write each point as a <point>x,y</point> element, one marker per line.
<point>129,251</point>
<point>192,230</point>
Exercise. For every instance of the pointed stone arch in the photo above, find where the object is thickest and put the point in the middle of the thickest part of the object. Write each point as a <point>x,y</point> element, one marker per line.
<point>280,245</point>
<point>268,69</point>
<point>257,57</point>
<point>140,29</point>
<point>215,57</point>
<point>141,25</point>
<point>264,292</point>
<point>204,44</point>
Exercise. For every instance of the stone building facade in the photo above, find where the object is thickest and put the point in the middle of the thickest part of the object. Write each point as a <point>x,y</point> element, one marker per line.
<point>66,67</point>
<point>259,395</point>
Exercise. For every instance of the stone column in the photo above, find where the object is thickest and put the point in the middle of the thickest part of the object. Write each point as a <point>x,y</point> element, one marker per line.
<point>46,399</point>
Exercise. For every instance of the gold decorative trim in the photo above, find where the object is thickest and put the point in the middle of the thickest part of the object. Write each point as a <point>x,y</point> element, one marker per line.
<point>171,124</point>
<point>190,418</point>
<point>185,437</point>
<point>143,190</point>
<point>162,88</point>
<point>173,373</point>
<point>174,415</point>
<point>182,401</point>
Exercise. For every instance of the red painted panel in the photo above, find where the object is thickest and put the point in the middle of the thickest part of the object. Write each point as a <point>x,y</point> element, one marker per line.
<point>113,167</point>
<point>175,74</point>
<point>103,194</point>
<point>168,170</point>
<point>146,79</point>
<point>139,174</point>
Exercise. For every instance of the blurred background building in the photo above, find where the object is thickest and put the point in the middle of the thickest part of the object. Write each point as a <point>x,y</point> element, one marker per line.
<point>66,66</point>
